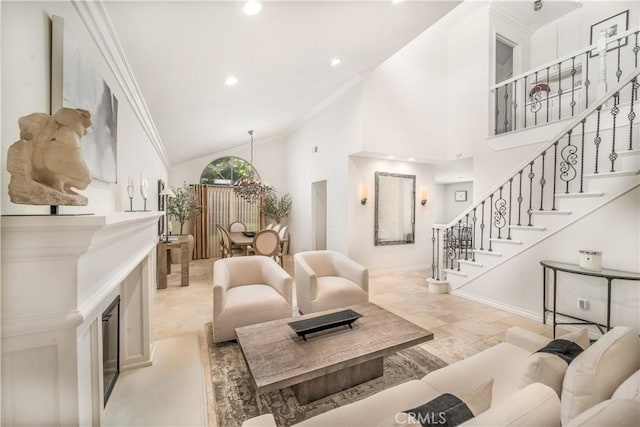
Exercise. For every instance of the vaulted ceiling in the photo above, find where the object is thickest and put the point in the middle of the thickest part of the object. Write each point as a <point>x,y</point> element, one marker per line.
<point>181,52</point>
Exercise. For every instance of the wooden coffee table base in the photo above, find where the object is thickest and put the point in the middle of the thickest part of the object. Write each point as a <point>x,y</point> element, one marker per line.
<point>334,382</point>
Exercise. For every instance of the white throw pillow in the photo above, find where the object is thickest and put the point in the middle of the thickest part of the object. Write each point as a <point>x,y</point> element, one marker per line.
<point>595,374</point>
<point>630,389</point>
<point>549,369</point>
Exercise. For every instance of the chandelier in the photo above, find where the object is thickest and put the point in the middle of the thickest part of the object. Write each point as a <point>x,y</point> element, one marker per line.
<point>249,187</point>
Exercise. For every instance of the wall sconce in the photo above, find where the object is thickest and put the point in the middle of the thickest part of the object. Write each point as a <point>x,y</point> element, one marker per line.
<point>423,196</point>
<point>363,194</point>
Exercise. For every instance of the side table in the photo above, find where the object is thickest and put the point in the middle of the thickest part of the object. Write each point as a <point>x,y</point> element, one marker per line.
<point>164,262</point>
<point>607,274</point>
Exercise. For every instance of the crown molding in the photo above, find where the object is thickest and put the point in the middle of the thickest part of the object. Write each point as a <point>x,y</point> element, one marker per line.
<point>466,19</point>
<point>507,16</point>
<point>96,20</point>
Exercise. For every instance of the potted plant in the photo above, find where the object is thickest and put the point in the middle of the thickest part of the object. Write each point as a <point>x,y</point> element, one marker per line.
<point>183,206</point>
<point>276,208</point>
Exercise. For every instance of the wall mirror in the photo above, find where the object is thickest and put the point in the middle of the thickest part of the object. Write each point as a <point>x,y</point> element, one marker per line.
<point>395,209</point>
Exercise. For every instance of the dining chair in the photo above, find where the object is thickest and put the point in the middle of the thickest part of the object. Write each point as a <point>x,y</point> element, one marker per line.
<point>284,242</point>
<point>269,226</point>
<point>237,226</point>
<point>229,250</point>
<point>277,227</point>
<point>265,242</point>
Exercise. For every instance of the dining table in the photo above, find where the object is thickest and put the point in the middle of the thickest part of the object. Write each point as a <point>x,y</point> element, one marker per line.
<point>242,240</point>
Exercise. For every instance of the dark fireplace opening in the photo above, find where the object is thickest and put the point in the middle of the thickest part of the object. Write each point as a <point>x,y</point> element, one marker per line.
<point>110,347</point>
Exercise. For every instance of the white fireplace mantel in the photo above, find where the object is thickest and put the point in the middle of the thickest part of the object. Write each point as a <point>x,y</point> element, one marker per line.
<point>59,273</point>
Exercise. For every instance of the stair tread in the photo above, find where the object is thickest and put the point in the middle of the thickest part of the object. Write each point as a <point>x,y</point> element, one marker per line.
<point>579,195</point>
<point>628,153</point>
<point>485,252</point>
<point>455,272</point>
<point>551,212</point>
<point>527,227</point>
<point>510,242</point>
<point>612,174</point>
<point>470,262</point>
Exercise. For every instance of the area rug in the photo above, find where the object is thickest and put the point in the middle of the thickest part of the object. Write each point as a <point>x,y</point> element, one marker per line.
<point>235,396</point>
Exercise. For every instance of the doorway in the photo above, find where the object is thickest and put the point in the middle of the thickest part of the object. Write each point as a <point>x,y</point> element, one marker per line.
<point>504,71</point>
<point>319,215</point>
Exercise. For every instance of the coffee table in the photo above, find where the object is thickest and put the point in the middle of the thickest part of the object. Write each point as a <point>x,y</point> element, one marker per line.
<point>329,361</point>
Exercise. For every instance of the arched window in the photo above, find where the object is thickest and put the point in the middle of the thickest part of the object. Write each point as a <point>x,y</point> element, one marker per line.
<point>226,171</point>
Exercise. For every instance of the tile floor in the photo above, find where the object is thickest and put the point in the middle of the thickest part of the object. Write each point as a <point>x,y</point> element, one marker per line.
<point>461,327</point>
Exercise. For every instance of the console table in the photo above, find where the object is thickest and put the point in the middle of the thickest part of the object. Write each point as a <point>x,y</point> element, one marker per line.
<point>164,262</point>
<point>607,274</point>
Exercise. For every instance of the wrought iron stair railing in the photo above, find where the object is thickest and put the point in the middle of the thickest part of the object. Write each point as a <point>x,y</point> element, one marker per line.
<point>606,128</point>
<point>536,97</point>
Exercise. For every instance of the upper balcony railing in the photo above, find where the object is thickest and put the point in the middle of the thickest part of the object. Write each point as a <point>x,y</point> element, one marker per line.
<point>561,89</point>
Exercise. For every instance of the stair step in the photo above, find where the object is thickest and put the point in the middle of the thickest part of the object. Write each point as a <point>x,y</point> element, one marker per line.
<point>527,227</point>
<point>611,174</point>
<point>455,272</point>
<point>551,212</point>
<point>579,195</point>
<point>509,242</point>
<point>484,252</point>
<point>472,263</point>
<point>628,153</point>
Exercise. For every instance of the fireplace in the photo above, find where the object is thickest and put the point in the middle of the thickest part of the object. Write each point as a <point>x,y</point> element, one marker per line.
<point>110,347</point>
<point>70,286</point>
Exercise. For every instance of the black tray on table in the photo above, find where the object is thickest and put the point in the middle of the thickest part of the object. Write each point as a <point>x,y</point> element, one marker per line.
<point>327,321</point>
<point>249,233</point>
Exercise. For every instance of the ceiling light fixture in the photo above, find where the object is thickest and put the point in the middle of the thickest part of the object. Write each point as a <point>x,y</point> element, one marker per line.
<point>396,1</point>
<point>411,159</point>
<point>335,62</point>
<point>252,8</point>
<point>231,81</point>
<point>390,157</point>
<point>249,187</point>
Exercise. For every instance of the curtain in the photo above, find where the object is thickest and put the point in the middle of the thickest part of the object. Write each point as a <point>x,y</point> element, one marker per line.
<point>224,208</point>
<point>201,223</point>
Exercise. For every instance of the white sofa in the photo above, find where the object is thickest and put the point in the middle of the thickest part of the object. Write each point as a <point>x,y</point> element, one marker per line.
<point>588,396</point>
<point>248,290</point>
<point>329,279</point>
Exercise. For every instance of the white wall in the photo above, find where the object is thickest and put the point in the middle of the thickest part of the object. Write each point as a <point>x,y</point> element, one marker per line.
<point>361,218</point>
<point>518,282</point>
<point>337,132</point>
<point>560,38</point>
<point>405,99</point>
<point>26,71</point>
<point>452,208</point>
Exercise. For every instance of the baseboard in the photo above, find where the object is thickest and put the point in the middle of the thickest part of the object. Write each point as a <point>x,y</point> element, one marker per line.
<point>505,307</point>
<point>398,270</point>
<point>203,385</point>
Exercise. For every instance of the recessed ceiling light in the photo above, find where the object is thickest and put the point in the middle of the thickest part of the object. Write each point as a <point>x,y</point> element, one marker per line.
<point>252,8</point>
<point>396,1</point>
<point>411,159</point>
<point>391,157</point>
<point>335,62</point>
<point>231,81</point>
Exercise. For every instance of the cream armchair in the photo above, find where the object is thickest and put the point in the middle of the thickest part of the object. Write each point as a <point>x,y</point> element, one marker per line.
<point>328,279</point>
<point>246,291</point>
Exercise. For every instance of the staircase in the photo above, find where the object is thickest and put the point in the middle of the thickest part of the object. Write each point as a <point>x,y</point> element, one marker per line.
<point>593,161</point>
